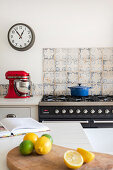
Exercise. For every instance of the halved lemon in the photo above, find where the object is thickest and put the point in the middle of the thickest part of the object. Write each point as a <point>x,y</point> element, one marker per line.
<point>73,159</point>
<point>87,156</point>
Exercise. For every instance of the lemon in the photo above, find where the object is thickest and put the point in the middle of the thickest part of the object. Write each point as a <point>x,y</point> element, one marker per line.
<point>87,156</point>
<point>73,159</point>
<point>31,136</point>
<point>48,136</point>
<point>26,147</point>
<point>43,145</point>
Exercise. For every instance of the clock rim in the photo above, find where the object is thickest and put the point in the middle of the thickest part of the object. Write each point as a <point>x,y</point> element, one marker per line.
<point>29,45</point>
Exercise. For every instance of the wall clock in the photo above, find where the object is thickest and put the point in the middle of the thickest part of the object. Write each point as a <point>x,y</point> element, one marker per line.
<point>21,37</point>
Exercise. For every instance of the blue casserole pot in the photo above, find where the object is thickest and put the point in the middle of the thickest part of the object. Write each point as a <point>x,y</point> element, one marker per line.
<point>79,90</point>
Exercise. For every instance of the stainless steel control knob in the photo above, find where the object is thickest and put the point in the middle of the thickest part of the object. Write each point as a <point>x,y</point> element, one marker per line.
<point>92,111</point>
<point>56,111</point>
<point>71,111</point>
<point>63,111</point>
<point>99,111</point>
<point>78,111</point>
<point>85,111</point>
<point>107,111</point>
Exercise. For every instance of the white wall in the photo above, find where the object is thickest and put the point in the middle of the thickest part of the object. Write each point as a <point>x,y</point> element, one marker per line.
<point>57,23</point>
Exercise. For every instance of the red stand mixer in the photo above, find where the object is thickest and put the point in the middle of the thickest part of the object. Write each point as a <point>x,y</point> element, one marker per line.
<point>19,84</point>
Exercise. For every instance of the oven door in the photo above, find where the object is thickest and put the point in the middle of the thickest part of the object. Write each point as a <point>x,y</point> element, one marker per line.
<point>102,123</point>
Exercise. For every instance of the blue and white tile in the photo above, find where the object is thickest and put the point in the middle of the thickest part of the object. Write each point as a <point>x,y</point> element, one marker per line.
<point>96,53</point>
<point>48,77</point>
<point>60,89</point>
<point>96,89</point>
<point>72,77</point>
<point>48,89</point>
<point>108,54</point>
<point>61,54</point>
<point>84,77</point>
<point>107,77</point>
<point>107,65</point>
<point>96,77</point>
<point>96,65</point>
<point>48,53</point>
<point>107,89</point>
<point>37,89</point>
<point>48,65</point>
<point>60,77</point>
<point>60,65</point>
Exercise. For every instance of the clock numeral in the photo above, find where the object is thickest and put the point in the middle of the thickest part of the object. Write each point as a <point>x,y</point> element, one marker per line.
<point>24,44</point>
<point>30,36</point>
<point>15,44</point>
<point>11,36</point>
<point>16,28</point>
<point>13,31</point>
<point>25,28</point>
<point>28,41</point>
<point>12,41</point>
<point>28,32</point>
<point>20,27</point>
<point>20,46</point>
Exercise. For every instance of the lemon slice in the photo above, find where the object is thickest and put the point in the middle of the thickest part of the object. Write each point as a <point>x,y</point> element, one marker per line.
<point>87,156</point>
<point>73,159</point>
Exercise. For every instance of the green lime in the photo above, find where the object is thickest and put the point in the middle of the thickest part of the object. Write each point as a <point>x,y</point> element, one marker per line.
<point>26,147</point>
<point>48,136</point>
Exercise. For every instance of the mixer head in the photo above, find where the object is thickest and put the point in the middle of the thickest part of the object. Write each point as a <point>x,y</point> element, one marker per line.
<point>16,75</point>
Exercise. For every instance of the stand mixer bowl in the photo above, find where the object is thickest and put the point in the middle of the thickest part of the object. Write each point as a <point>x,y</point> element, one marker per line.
<point>23,86</point>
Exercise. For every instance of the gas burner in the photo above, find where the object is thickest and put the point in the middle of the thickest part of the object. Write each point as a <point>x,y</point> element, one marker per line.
<point>48,98</point>
<point>51,98</point>
<point>106,98</point>
<point>90,99</point>
<point>61,98</point>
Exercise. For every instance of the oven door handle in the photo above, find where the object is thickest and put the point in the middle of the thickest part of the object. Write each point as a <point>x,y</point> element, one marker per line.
<point>82,121</point>
<point>99,121</point>
<point>77,121</point>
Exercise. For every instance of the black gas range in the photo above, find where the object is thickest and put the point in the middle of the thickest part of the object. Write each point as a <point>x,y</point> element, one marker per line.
<point>91,111</point>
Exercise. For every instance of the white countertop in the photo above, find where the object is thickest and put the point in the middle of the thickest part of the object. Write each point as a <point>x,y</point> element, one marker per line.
<point>68,134</point>
<point>20,101</point>
<point>101,139</point>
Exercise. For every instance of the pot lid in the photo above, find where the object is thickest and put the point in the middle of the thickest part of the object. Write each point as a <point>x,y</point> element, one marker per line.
<point>80,87</point>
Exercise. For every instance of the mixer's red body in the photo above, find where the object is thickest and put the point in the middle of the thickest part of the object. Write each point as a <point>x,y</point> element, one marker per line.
<point>11,76</point>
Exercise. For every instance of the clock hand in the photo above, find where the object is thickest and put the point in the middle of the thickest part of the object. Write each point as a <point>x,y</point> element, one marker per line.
<point>18,33</point>
<point>21,34</point>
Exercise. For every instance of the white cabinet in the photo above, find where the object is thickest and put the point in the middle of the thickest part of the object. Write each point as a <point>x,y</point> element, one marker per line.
<point>15,112</point>
<point>19,111</point>
<point>19,107</point>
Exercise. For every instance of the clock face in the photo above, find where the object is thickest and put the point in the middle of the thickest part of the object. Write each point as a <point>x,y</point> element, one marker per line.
<point>21,37</point>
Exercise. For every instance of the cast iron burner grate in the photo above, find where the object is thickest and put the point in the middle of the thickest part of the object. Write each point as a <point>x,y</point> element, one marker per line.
<point>68,98</point>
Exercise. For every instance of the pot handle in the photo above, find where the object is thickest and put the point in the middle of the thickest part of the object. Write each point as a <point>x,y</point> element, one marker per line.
<point>90,87</point>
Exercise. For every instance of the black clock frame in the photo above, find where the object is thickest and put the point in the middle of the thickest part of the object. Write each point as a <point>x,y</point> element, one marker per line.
<point>29,45</point>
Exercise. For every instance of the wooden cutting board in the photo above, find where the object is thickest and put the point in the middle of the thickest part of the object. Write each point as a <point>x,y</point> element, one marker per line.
<point>54,161</point>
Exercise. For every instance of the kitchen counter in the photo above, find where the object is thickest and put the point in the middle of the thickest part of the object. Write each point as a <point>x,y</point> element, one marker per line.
<point>20,101</point>
<point>67,134</point>
<point>101,139</point>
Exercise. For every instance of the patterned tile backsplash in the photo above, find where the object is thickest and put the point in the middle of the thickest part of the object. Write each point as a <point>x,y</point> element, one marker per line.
<point>36,89</point>
<point>64,67</point>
